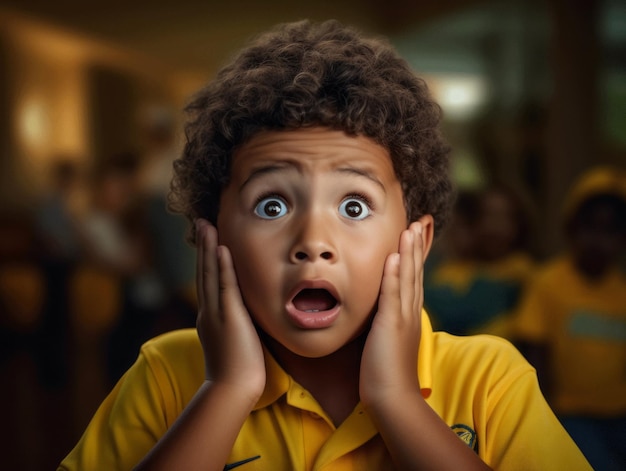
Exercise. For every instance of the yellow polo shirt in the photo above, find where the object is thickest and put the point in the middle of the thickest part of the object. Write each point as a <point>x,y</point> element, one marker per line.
<point>584,325</point>
<point>480,386</point>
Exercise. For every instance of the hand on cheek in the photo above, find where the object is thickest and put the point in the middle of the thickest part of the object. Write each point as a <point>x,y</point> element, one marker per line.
<point>232,349</point>
<point>389,360</point>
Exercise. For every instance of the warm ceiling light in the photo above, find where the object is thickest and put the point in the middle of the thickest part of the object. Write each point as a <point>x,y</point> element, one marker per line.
<point>33,123</point>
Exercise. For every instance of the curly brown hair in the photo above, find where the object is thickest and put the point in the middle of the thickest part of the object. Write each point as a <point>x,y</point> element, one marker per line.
<point>305,74</point>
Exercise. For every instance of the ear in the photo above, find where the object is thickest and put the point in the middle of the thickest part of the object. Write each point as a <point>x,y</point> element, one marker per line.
<point>428,231</point>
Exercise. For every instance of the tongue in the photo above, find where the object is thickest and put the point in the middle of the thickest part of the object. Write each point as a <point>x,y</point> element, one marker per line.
<point>314,300</point>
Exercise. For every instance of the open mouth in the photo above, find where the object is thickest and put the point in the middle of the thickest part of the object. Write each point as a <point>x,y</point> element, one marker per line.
<point>314,300</point>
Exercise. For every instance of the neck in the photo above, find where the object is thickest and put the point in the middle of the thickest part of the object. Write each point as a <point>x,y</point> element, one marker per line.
<point>333,380</point>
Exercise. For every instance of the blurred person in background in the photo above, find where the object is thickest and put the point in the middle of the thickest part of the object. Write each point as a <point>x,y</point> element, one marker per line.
<point>60,245</point>
<point>572,320</point>
<point>457,243</point>
<point>119,243</point>
<point>105,225</point>
<point>477,289</point>
<point>174,257</point>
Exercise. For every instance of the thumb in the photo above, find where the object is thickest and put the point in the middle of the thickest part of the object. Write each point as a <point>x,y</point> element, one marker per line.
<point>389,299</point>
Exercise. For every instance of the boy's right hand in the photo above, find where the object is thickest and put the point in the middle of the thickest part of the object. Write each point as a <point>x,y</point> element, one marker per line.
<point>232,349</point>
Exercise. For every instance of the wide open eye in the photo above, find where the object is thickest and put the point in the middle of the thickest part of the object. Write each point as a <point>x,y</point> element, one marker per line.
<point>354,208</point>
<point>270,207</point>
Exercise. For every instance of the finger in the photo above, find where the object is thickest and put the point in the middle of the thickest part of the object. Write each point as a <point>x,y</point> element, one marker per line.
<point>407,272</point>
<point>418,258</point>
<point>199,260</point>
<point>211,270</point>
<point>208,268</point>
<point>420,265</point>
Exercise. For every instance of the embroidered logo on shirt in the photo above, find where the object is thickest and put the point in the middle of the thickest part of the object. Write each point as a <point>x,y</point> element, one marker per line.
<point>236,464</point>
<point>467,434</point>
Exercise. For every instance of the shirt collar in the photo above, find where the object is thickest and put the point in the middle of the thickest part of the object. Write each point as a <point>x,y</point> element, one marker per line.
<point>425,356</point>
<point>278,381</point>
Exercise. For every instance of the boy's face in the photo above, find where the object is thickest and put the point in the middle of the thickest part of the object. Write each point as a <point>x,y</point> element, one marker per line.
<point>310,216</point>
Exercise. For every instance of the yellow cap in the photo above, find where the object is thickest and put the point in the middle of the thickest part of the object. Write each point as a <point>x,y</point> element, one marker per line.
<point>596,181</point>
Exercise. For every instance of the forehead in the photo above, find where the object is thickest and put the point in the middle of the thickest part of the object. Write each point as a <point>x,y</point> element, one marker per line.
<point>312,149</point>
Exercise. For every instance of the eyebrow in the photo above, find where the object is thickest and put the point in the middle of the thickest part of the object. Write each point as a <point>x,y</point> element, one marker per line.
<point>273,168</point>
<point>362,173</point>
<point>264,170</point>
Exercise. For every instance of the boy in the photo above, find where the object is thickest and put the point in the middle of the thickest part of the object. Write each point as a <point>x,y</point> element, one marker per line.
<point>316,157</point>
<point>572,320</point>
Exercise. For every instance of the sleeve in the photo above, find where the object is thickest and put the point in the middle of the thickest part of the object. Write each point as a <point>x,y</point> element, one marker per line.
<point>521,431</point>
<point>126,426</point>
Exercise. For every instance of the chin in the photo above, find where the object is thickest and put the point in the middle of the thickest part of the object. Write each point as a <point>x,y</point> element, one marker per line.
<point>310,347</point>
<point>314,345</point>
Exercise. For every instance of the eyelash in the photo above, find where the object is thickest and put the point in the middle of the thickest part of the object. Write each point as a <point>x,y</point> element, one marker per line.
<point>268,194</point>
<point>360,196</point>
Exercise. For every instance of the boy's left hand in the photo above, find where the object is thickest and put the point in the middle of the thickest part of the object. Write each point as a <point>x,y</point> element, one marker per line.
<point>389,360</point>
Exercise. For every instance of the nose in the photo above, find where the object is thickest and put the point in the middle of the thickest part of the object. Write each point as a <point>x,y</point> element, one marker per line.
<point>313,240</point>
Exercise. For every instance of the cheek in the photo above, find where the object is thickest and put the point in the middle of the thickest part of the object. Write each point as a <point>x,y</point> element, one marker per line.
<point>368,265</point>
<point>253,266</point>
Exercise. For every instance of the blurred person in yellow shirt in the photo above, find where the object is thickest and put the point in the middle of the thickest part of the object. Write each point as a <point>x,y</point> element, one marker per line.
<point>477,289</point>
<point>572,320</point>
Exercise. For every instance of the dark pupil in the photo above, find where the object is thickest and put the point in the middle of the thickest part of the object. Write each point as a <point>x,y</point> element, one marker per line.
<point>272,208</point>
<point>354,209</point>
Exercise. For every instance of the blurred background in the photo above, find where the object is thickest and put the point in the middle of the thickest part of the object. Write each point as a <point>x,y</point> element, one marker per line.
<point>91,98</point>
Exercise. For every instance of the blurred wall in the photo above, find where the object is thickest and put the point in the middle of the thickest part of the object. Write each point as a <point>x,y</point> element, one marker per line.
<point>6,136</point>
<point>63,95</point>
